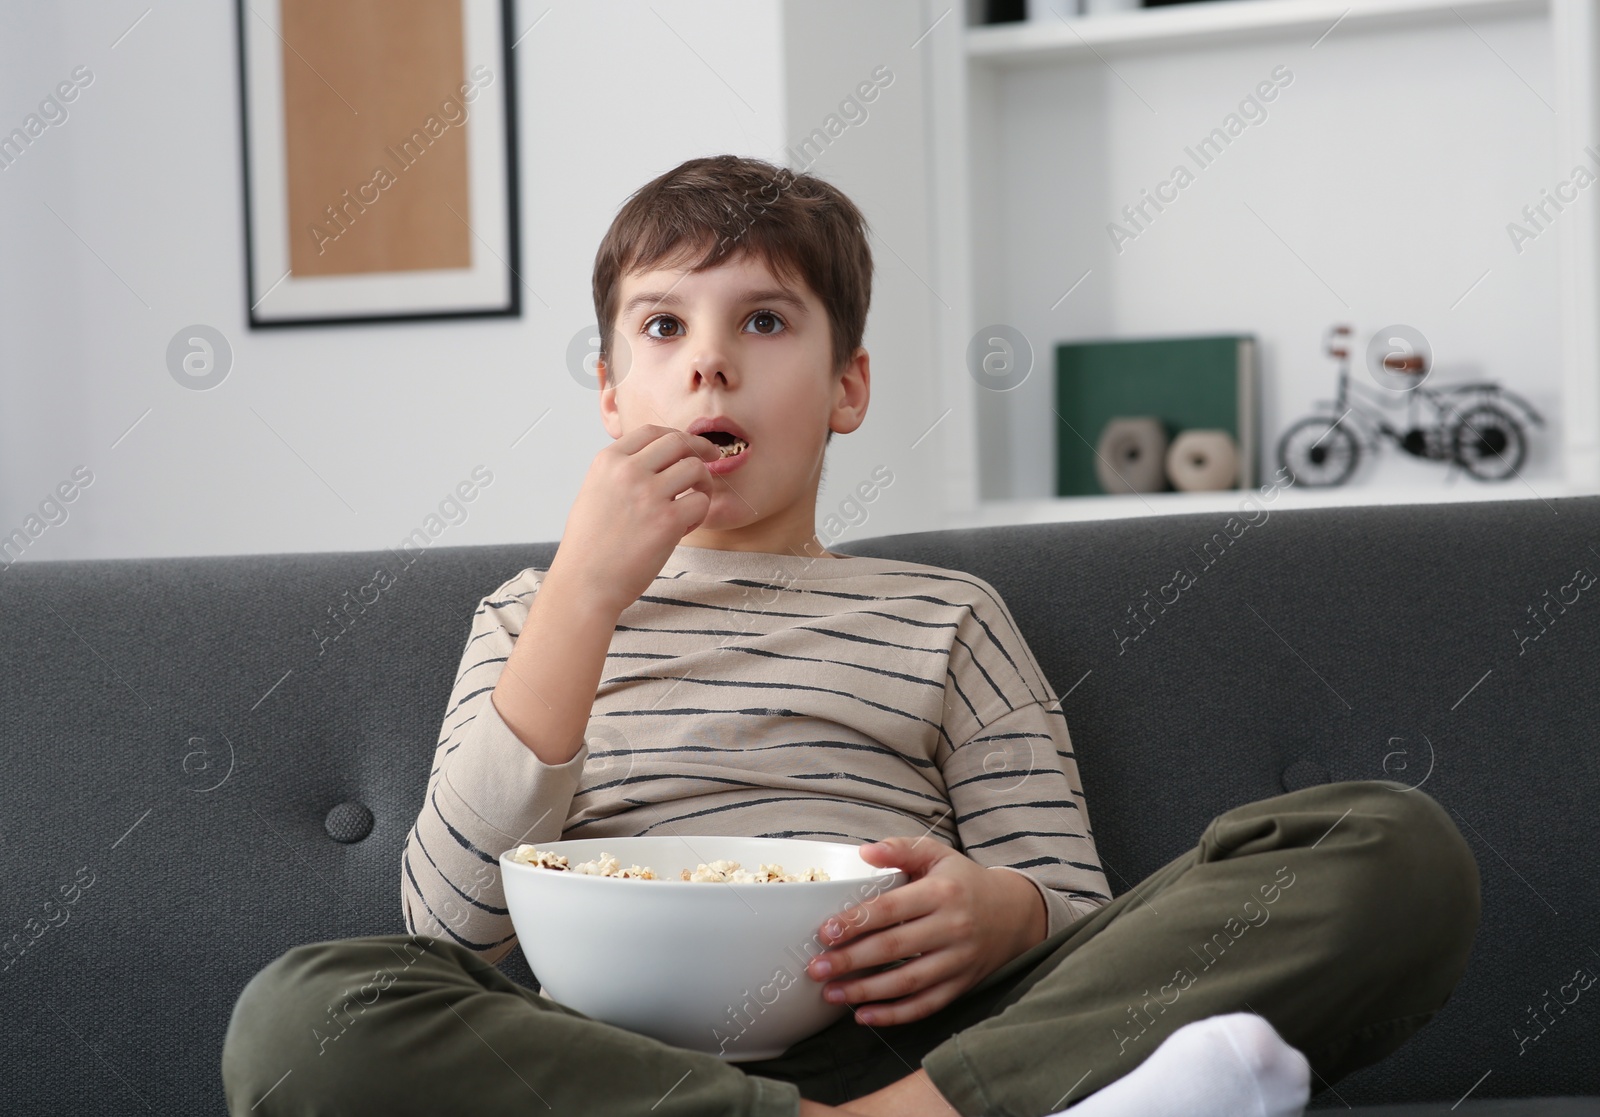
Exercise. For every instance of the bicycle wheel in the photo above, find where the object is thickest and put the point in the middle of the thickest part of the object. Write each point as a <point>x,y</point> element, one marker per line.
<point>1488,442</point>
<point>1317,452</point>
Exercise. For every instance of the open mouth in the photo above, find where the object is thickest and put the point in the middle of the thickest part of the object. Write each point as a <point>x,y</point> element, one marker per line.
<point>731,446</point>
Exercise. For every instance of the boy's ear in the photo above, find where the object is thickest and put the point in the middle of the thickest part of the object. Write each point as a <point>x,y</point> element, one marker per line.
<point>852,393</point>
<point>610,374</point>
<point>610,416</point>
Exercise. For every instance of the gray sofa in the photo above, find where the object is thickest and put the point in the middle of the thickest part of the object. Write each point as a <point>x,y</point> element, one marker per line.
<point>203,769</point>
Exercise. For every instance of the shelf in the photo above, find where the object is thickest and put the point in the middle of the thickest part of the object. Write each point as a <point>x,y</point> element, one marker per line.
<point>1225,20</point>
<point>994,513</point>
<point>1038,141</point>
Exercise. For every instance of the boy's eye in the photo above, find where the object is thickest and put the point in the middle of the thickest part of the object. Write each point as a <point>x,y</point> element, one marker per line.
<point>660,318</point>
<point>770,324</point>
<point>767,315</point>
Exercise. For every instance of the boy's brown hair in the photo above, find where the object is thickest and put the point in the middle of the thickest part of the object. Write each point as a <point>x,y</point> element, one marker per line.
<point>797,224</point>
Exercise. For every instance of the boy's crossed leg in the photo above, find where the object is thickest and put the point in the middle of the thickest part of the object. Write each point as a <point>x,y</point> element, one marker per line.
<point>1341,914</point>
<point>403,1024</point>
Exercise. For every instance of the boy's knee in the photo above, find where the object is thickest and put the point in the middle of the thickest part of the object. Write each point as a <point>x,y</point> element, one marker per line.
<point>1419,894</point>
<point>293,1012</point>
<point>1424,844</point>
<point>259,1046</point>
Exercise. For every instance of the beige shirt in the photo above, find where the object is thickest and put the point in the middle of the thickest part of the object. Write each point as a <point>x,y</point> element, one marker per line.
<point>745,693</point>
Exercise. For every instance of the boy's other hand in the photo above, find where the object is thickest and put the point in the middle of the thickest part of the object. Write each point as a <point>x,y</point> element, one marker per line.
<point>627,517</point>
<point>956,920</point>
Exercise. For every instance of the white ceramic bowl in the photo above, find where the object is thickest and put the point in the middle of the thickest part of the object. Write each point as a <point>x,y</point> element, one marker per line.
<point>710,966</point>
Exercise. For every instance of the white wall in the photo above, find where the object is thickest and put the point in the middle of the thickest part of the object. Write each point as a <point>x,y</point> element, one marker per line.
<point>124,224</point>
<point>831,47</point>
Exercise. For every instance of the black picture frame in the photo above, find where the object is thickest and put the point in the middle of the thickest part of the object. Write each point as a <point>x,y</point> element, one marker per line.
<point>504,258</point>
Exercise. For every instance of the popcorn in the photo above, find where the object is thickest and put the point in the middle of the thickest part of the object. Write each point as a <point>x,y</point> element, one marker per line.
<point>729,871</point>
<point>608,866</point>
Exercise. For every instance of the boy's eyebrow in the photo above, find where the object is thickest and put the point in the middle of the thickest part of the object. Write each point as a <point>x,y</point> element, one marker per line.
<point>755,295</point>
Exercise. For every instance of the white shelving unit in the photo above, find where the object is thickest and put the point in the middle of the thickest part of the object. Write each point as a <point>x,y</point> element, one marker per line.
<point>1042,131</point>
<point>1197,25</point>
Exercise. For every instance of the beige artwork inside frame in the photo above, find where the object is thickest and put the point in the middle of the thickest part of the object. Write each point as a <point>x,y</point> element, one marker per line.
<point>376,173</point>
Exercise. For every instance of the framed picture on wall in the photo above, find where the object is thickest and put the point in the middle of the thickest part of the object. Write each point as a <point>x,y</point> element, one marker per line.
<point>380,160</point>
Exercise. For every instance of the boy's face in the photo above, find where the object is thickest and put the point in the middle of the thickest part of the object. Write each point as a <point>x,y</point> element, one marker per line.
<point>737,341</point>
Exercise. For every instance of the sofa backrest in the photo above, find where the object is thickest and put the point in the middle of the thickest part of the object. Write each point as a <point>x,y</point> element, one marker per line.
<point>186,738</point>
<point>1451,646</point>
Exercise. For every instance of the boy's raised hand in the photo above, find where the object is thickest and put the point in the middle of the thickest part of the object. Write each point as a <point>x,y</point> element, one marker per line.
<point>963,919</point>
<point>625,520</point>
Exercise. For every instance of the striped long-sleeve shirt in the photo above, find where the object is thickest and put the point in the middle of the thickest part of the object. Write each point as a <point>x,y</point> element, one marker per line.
<point>747,693</point>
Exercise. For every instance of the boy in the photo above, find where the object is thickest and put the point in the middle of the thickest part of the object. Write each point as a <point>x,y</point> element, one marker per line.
<point>695,661</point>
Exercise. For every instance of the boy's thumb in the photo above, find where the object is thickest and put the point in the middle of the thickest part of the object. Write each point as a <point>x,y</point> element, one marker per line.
<point>888,848</point>
<point>913,855</point>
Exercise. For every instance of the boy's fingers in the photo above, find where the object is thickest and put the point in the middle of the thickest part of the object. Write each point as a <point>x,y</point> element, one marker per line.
<point>849,924</point>
<point>883,910</point>
<point>925,1003</point>
<point>897,983</point>
<point>879,948</point>
<point>667,449</point>
<point>707,449</point>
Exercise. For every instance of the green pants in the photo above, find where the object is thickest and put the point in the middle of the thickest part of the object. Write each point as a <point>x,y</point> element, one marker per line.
<point>1342,913</point>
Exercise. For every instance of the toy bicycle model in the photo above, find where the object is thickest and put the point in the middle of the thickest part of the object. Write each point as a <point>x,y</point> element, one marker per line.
<point>1475,424</point>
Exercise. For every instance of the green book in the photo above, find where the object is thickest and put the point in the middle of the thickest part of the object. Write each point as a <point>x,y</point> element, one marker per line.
<point>1186,382</point>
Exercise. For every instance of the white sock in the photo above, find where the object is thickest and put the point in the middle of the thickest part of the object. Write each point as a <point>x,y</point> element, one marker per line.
<point>1234,1065</point>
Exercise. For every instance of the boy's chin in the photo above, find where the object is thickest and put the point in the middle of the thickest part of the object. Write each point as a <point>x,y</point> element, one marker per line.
<point>720,523</point>
<point>725,517</point>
